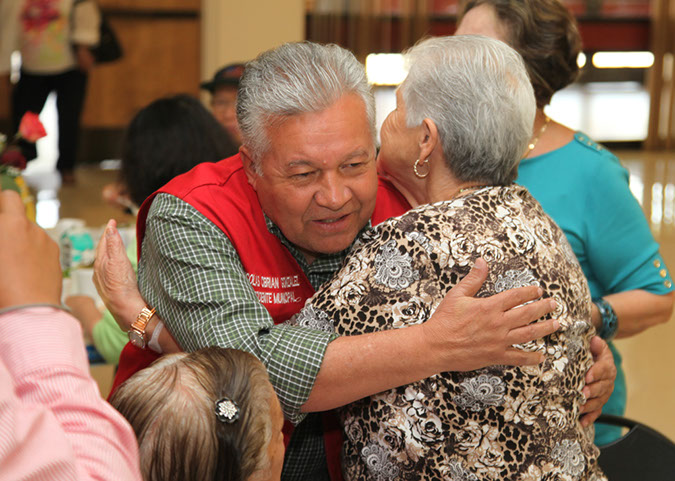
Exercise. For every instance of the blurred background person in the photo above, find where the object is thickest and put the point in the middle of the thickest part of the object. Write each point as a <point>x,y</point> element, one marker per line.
<point>579,183</point>
<point>54,39</point>
<point>53,423</point>
<point>166,138</point>
<point>223,88</point>
<point>229,427</point>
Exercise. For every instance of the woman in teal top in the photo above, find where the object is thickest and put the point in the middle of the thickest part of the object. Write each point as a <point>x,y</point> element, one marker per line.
<point>580,184</point>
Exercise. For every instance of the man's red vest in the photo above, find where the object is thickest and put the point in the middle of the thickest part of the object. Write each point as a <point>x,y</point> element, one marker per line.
<point>221,192</point>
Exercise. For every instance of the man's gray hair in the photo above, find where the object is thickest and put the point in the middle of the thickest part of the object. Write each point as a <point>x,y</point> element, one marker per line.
<point>477,92</point>
<point>292,79</point>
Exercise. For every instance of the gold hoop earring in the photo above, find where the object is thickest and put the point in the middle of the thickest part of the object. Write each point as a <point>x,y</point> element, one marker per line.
<point>417,164</point>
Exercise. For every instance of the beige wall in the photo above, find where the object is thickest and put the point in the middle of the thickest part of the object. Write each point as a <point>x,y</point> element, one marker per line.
<point>236,31</point>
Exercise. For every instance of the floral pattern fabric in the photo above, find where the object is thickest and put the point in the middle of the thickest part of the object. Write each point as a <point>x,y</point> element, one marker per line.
<point>493,424</point>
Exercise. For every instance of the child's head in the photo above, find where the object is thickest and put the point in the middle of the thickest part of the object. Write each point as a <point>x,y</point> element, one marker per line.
<point>208,415</point>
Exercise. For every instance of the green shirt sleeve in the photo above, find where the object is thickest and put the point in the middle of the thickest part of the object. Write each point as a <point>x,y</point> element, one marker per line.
<point>109,339</point>
<point>191,273</point>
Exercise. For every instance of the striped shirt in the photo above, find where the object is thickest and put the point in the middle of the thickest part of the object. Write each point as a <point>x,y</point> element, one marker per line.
<point>53,423</point>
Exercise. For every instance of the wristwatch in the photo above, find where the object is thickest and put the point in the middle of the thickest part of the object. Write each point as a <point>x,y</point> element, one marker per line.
<point>137,331</point>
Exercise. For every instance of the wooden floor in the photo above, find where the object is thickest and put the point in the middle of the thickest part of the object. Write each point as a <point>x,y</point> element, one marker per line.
<point>649,358</point>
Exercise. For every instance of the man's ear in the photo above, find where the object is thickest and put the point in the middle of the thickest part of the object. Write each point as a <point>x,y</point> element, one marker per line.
<point>428,139</point>
<point>249,166</point>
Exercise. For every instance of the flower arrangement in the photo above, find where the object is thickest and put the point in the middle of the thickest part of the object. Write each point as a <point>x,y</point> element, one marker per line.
<point>12,161</point>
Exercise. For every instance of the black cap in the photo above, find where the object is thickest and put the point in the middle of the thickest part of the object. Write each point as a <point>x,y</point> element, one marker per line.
<point>228,75</point>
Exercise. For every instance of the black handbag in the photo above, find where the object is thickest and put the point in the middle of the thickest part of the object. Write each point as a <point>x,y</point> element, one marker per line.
<point>108,48</point>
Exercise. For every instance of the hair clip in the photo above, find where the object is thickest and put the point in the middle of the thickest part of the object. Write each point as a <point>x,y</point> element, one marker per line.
<point>227,410</point>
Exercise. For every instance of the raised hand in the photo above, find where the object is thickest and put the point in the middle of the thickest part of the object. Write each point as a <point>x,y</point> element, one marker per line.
<point>115,278</point>
<point>29,259</point>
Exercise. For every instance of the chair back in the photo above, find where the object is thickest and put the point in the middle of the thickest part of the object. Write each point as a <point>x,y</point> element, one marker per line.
<point>641,454</point>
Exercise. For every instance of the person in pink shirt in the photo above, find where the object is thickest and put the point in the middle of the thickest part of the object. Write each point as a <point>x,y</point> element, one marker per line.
<point>53,423</point>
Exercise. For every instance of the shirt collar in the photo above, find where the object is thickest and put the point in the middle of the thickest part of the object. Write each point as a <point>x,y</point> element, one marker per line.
<point>322,262</point>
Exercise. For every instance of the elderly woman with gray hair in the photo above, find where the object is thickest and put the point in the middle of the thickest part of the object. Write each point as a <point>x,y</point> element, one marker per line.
<point>463,119</point>
<point>208,415</point>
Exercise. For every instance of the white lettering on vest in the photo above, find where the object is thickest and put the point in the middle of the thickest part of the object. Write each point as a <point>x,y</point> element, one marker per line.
<point>285,282</point>
<point>289,281</point>
<point>275,283</point>
<point>264,297</point>
<point>269,282</point>
<point>286,297</point>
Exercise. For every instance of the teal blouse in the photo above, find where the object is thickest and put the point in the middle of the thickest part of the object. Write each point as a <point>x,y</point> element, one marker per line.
<point>584,188</point>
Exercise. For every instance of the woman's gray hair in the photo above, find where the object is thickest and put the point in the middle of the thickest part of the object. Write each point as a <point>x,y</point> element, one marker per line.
<point>171,407</point>
<point>292,79</point>
<point>477,92</point>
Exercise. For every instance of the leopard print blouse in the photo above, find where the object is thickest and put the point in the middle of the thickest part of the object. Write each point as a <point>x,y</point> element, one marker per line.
<point>498,423</point>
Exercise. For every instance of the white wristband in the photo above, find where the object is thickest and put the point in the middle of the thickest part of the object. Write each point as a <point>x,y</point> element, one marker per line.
<point>153,343</point>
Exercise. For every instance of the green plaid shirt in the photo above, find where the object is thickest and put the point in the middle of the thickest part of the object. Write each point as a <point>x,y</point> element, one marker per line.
<point>191,273</point>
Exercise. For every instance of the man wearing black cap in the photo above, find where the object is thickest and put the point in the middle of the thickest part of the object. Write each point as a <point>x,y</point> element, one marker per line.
<point>223,90</point>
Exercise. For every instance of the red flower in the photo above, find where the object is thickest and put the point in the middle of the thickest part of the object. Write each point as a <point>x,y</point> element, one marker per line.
<point>31,128</point>
<point>14,158</point>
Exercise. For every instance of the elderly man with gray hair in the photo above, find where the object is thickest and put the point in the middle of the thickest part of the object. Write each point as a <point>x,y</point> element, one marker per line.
<point>229,251</point>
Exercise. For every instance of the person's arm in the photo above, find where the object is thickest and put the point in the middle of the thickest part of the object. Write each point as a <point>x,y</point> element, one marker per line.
<point>109,339</point>
<point>85,33</point>
<point>26,429</point>
<point>191,274</point>
<point>116,283</point>
<point>622,253</point>
<point>465,333</point>
<point>55,408</point>
<point>84,309</point>
<point>53,405</point>
<point>636,311</point>
<point>115,280</point>
<point>341,351</point>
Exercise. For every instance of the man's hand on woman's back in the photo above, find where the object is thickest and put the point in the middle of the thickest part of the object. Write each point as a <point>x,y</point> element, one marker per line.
<point>478,332</point>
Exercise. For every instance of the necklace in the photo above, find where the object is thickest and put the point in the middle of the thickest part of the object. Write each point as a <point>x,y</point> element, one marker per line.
<point>532,144</point>
<point>474,187</point>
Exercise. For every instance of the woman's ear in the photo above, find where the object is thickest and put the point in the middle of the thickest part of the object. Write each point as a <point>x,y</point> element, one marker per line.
<point>429,139</point>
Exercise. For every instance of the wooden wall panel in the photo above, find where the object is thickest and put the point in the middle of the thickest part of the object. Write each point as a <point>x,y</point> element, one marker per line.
<point>5,93</point>
<point>161,57</point>
<point>171,5</point>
